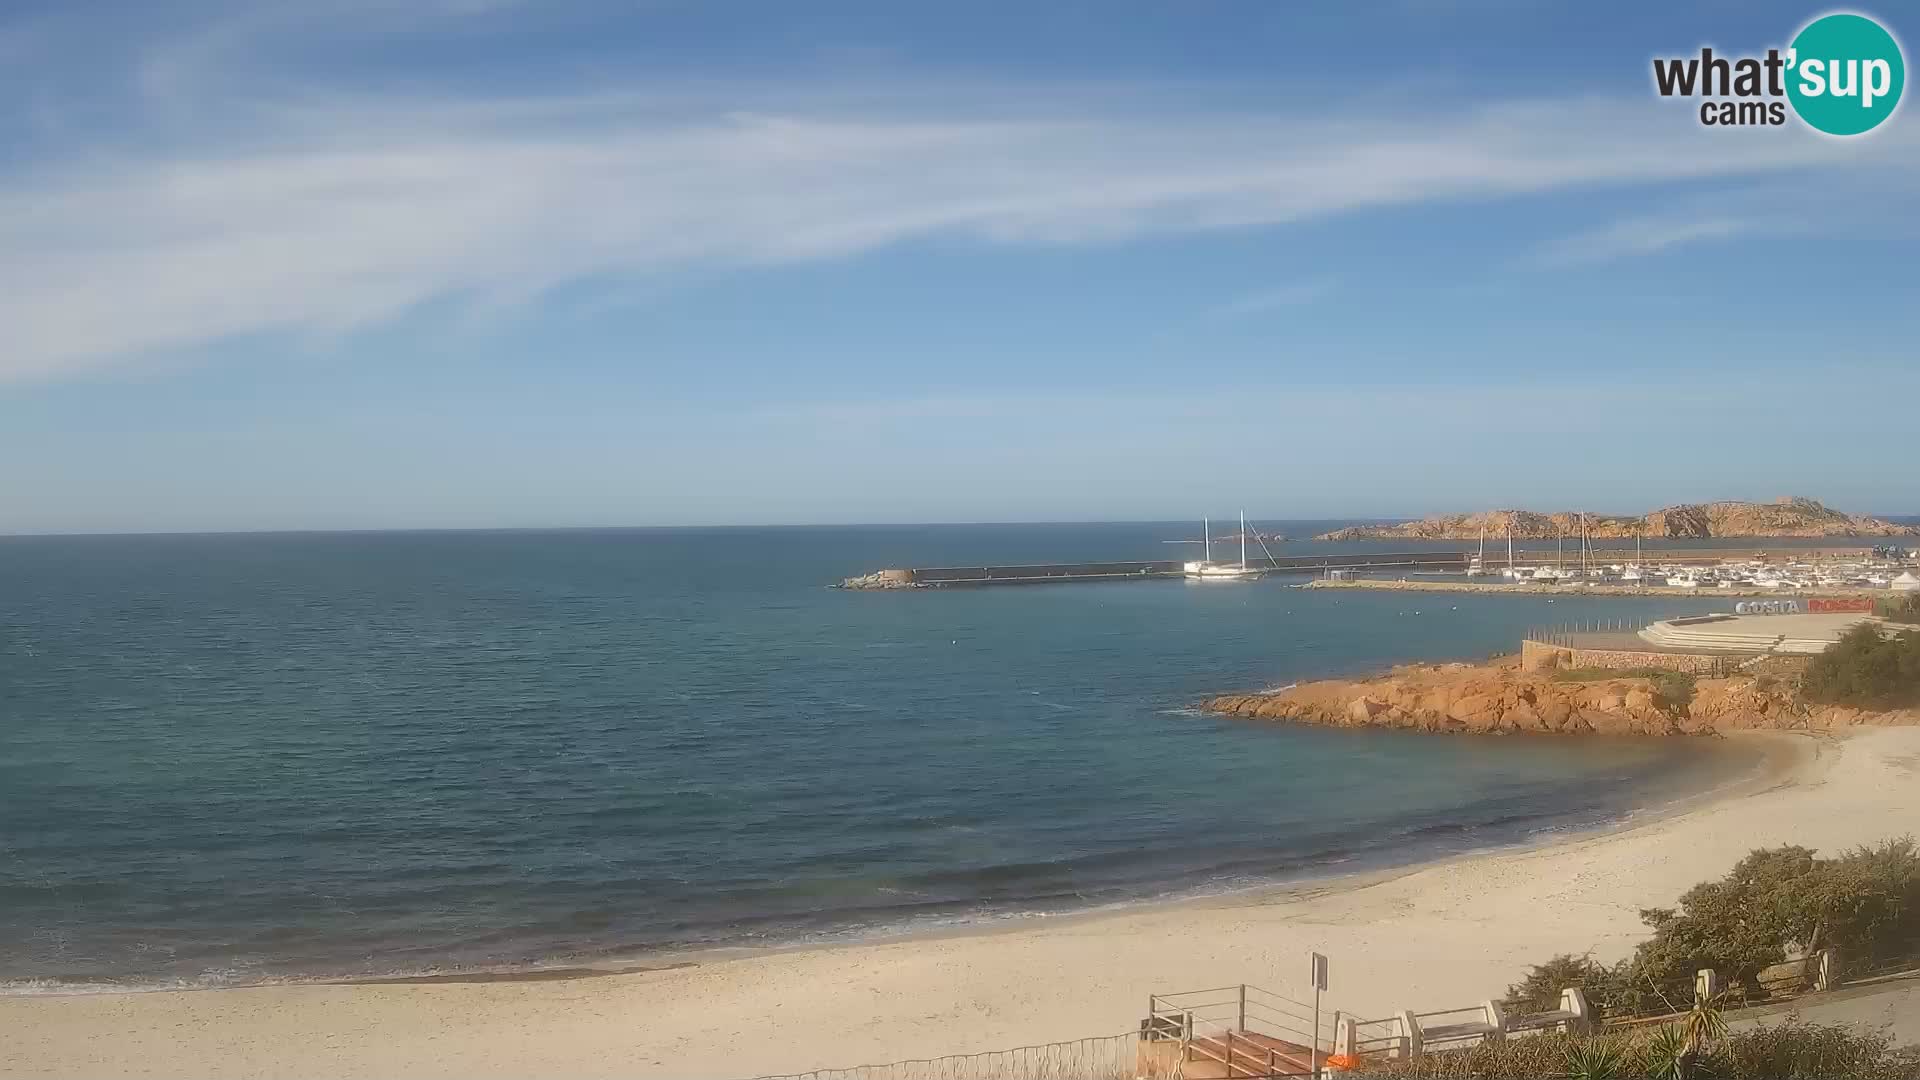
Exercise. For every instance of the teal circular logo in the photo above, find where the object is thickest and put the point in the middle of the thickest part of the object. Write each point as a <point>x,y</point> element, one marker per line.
<point>1845,74</point>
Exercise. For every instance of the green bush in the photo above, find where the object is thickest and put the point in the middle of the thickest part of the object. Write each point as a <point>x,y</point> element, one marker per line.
<point>1904,608</point>
<point>1866,669</point>
<point>1795,1051</point>
<point>1865,903</point>
<point>1539,990</point>
<point>1788,1051</point>
<point>1675,686</point>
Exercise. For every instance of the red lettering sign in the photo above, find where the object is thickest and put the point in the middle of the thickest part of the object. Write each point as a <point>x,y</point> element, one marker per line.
<point>1834,604</point>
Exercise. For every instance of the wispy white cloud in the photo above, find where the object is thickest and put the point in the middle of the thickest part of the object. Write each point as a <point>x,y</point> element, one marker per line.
<point>313,211</point>
<point>1292,294</point>
<point>1640,236</point>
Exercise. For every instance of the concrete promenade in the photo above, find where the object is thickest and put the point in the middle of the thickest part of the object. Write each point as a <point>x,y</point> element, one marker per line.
<point>1891,1005</point>
<point>1581,588</point>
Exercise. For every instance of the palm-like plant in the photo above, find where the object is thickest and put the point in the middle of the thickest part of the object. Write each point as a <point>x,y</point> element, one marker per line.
<point>1663,1053</point>
<point>1596,1059</point>
<point>1674,1052</point>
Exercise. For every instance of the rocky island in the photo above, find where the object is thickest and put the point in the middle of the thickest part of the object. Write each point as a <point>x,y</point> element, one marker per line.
<point>1788,516</point>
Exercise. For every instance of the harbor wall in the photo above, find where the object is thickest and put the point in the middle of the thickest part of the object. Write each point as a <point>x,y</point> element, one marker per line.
<point>1039,573</point>
<point>1545,656</point>
<point>981,575</point>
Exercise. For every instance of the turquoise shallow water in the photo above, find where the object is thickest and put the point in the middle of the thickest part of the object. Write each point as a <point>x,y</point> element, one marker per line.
<point>234,758</point>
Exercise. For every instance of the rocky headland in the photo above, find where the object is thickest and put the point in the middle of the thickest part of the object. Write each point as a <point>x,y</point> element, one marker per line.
<point>1784,517</point>
<point>1501,699</point>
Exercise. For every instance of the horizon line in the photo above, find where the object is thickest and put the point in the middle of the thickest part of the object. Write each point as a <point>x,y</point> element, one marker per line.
<point>1903,519</point>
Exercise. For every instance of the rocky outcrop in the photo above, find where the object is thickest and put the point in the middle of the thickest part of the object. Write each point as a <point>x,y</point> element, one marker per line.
<point>1501,699</point>
<point>1693,521</point>
<point>1465,699</point>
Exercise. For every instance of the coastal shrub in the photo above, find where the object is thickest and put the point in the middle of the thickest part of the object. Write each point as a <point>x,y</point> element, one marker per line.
<point>1776,902</point>
<point>1904,608</point>
<point>1789,1051</point>
<point>1539,990</point>
<point>1865,903</point>
<point>1866,669</point>
<point>1797,1051</point>
<point>1675,686</point>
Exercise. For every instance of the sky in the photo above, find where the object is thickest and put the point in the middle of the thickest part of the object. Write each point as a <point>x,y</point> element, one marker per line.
<point>486,263</point>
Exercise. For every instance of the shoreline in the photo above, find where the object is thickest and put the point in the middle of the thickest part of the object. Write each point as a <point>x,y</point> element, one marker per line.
<point>1664,790</point>
<point>1427,935</point>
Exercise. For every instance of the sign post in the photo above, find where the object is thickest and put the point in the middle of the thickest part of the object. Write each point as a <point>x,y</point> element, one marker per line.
<point>1319,985</point>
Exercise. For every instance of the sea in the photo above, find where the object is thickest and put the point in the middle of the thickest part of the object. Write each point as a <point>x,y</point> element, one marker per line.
<point>251,758</point>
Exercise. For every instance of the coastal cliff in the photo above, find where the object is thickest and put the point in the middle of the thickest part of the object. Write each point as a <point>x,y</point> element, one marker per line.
<point>1788,516</point>
<point>1502,699</point>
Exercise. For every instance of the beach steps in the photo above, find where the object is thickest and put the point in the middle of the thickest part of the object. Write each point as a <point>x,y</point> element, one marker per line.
<point>1236,1055</point>
<point>1229,1033</point>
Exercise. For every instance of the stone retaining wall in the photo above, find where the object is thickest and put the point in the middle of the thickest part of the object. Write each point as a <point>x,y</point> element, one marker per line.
<point>1541,656</point>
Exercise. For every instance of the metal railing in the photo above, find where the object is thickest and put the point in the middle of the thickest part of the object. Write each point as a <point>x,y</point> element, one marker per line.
<point>1248,1030</point>
<point>1376,1039</point>
<point>1456,1025</point>
<point>1565,634</point>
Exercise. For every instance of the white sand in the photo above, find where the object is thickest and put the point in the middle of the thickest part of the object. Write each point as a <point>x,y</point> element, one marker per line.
<point>1444,935</point>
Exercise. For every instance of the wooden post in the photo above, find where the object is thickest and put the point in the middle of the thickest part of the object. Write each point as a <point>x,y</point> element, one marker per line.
<point>1243,1006</point>
<point>1319,984</point>
<point>1410,1025</point>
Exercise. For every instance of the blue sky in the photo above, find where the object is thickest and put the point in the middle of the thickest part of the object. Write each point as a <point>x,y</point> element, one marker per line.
<point>448,263</point>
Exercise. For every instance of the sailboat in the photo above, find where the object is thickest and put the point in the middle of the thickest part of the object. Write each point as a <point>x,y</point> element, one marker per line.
<point>1477,565</point>
<point>1557,571</point>
<point>1632,573</point>
<point>1512,571</point>
<point>1208,570</point>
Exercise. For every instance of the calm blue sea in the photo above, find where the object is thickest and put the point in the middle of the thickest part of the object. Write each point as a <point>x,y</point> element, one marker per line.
<point>239,758</point>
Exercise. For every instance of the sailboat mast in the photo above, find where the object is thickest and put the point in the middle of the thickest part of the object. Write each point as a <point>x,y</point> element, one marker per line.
<point>1206,537</point>
<point>1509,541</point>
<point>1243,539</point>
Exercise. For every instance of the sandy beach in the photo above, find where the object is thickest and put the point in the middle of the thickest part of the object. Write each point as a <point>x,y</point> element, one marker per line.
<point>1444,934</point>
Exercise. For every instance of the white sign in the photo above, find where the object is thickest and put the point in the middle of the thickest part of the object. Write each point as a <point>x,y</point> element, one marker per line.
<point>1319,972</point>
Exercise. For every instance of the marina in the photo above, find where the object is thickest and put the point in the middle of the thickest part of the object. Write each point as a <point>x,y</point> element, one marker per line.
<point>1727,571</point>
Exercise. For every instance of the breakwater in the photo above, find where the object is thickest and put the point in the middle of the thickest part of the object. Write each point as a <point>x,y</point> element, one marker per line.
<point>934,577</point>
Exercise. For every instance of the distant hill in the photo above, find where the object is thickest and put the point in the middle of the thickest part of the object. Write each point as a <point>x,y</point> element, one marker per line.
<point>1689,521</point>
